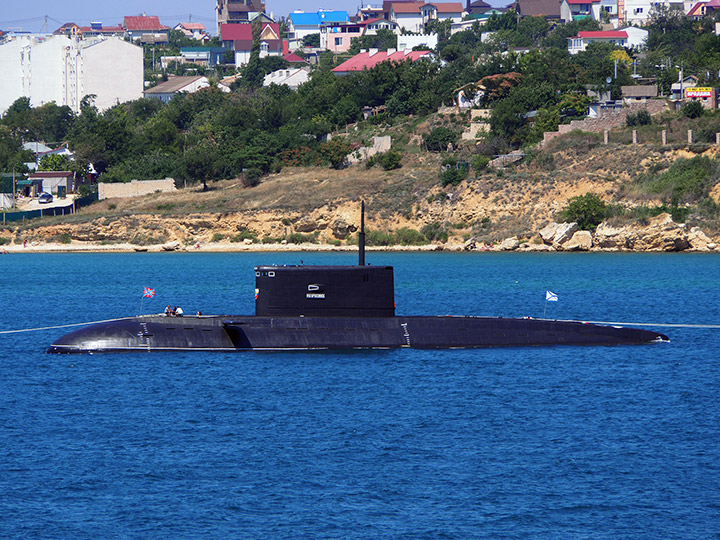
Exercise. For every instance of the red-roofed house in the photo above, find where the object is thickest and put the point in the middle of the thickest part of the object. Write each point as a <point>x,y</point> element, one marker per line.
<point>580,42</point>
<point>371,58</point>
<point>702,9</point>
<point>293,58</point>
<point>574,10</point>
<point>146,29</point>
<point>193,30</point>
<point>239,38</point>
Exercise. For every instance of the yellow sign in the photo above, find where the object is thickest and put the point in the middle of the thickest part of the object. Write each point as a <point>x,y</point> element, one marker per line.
<point>699,92</point>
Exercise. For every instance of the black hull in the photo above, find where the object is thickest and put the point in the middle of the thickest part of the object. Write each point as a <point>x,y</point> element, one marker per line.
<point>244,333</point>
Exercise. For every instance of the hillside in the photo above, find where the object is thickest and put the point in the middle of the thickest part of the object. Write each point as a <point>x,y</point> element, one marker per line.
<point>320,205</point>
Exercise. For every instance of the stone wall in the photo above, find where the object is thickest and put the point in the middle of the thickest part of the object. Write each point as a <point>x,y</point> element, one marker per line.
<point>380,145</point>
<point>134,188</point>
<point>608,120</point>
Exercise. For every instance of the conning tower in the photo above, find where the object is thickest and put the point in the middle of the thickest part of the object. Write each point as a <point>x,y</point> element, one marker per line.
<point>326,291</point>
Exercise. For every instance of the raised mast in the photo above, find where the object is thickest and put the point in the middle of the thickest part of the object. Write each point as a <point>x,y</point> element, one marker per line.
<point>361,236</point>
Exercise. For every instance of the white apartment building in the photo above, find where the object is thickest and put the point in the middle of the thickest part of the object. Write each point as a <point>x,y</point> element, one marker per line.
<point>65,69</point>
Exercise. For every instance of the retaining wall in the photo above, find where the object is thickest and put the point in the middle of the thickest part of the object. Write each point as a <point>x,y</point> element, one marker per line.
<point>135,188</point>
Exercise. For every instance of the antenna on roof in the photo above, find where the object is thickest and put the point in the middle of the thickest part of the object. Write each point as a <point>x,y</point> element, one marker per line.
<point>361,236</point>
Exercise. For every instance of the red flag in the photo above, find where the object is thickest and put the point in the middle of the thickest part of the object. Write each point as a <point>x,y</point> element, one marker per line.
<point>148,292</point>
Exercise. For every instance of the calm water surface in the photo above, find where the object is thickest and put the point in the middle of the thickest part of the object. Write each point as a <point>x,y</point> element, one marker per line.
<point>556,442</point>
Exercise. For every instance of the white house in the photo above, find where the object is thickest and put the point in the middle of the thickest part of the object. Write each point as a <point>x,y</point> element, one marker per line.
<point>637,37</point>
<point>410,41</point>
<point>167,90</point>
<point>193,30</point>
<point>637,12</point>
<point>293,77</point>
<point>407,16</point>
<point>65,69</point>
<point>580,42</point>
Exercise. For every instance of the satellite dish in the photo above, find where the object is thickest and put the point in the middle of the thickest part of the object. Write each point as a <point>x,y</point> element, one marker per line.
<point>608,80</point>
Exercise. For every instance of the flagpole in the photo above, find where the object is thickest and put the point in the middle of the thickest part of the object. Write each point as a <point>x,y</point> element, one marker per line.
<point>142,299</point>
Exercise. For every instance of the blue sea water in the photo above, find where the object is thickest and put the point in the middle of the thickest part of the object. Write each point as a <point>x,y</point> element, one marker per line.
<point>551,443</point>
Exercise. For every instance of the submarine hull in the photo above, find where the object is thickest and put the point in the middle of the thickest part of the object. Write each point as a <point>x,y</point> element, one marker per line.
<point>244,333</point>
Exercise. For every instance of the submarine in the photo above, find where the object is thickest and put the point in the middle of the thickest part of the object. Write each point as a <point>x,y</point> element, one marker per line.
<point>334,307</point>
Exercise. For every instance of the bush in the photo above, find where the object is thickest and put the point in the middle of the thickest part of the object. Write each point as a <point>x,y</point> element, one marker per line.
<point>389,160</point>
<point>480,163</point>
<point>4,241</point>
<point>640,118</point>
<point>243,235</point>
<point>299,238</point>
<point>692,109</point>
<point>453,172</point>
<point>409,237</point>
<point>587,210</point>
<point>439,139</point>
<point>435,232</point>
<point>252,177</point>
<point>217,237</point>
<point>686,179</point>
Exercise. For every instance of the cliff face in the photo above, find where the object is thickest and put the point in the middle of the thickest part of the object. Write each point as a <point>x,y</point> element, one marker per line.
<point>322,205</point>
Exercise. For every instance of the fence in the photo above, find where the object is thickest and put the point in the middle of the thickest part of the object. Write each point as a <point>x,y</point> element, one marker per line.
<point>53,211</point>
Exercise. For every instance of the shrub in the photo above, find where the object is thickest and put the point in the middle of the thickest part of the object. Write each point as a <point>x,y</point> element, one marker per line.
<point>480,163</point>
<point>587,210</point>
<point>389,160</point>
<point>686,179</point>
<point>435,232</point>
<point>217,237</point>
<point>243,235</point>
<point>692,109</point>
<point>299,238</point>
<point>4,241</point>
<point>453,172</point>
<point>409,237</point>
<point>252,177</point>
<point>378,238</point>
<point>439,139</point>
<point>640,118</point>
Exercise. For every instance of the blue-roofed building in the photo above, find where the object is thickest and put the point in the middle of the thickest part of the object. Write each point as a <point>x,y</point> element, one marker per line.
<point>303,24</point>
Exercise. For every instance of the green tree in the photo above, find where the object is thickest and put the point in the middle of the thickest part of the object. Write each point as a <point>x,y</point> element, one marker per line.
<point>253,74</point>
<point>692,109</point>
<point>384,39</point>
<point>587,210</point>
<point>335,151</point>
<point>312,40</point>
<point>55,162</point>
<point>439,139</point>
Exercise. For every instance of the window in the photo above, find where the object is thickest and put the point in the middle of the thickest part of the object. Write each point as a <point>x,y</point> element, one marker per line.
<point>263,47</point>
<point>338,41</point>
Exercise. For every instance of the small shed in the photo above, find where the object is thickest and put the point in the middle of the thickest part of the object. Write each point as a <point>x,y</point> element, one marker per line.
<point>638,94</point>
<point>48,181</point>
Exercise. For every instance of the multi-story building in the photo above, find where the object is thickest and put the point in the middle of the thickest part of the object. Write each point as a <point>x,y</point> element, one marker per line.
<point>66,69</point>
<point>301,24</point>
<point>237,11</point>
